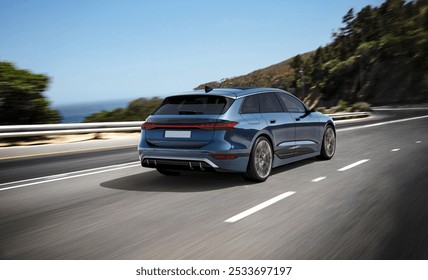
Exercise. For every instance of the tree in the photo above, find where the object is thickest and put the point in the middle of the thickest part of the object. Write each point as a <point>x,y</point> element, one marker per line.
<point>21,98</point>
<point>347,20</point>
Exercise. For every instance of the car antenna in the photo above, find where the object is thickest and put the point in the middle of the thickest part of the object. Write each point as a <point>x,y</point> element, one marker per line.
<point>208,89</point>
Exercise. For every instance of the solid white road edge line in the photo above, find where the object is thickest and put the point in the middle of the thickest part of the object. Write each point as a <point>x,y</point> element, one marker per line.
<point>400,109</point>
<point>258,207</point>
<point>65,176</point>
<point>381,123</point>
<point>353,165</point>
<point>318,179</point>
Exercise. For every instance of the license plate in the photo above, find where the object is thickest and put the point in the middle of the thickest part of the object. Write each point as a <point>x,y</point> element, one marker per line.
<point>177,134</point>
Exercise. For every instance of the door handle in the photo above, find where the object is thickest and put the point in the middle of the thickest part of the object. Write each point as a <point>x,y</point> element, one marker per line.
<point>297,119</point>
<point>272,121</point>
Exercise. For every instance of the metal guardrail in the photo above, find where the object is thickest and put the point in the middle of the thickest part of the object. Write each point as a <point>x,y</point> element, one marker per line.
<point>342,116</point>
<point>11,131</point>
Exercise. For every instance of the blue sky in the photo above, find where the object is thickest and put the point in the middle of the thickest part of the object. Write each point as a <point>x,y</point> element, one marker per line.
<point>106,50</point>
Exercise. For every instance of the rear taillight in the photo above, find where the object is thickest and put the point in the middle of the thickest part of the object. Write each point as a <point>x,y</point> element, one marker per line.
<point>228,156</point>
<point>147,125</point>
<point>218,125</point>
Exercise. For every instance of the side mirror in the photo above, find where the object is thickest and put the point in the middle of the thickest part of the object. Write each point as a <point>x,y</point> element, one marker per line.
<point>309,110</point>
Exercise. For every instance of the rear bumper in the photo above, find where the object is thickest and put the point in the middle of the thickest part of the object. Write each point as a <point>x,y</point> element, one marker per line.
<point>191,160</point>
<point>191,164</point>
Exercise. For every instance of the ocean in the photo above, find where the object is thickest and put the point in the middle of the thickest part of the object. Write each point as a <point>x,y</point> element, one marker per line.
<point>76,112</point>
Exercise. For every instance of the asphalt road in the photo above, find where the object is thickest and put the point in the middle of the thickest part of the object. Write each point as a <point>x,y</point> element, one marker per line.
<point>368,202</point>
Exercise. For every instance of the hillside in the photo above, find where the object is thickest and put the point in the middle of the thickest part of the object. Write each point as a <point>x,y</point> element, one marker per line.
<point>278,75</point>
<point>379,55</point>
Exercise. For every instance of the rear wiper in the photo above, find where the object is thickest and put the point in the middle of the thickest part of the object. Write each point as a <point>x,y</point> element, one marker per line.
<point>190,113</point>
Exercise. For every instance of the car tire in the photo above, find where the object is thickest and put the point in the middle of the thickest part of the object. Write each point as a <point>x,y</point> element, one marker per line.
<point>260,162</point>
<point>328,147</point>
<point>167,172</point>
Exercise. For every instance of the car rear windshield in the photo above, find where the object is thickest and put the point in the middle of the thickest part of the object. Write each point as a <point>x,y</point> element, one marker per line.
<point>194,105</point>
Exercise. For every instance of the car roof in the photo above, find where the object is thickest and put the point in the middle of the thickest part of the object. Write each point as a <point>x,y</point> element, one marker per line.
<point>233,92</point>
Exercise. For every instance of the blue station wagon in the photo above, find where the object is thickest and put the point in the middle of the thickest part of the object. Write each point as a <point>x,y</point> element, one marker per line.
<point>248,131</point>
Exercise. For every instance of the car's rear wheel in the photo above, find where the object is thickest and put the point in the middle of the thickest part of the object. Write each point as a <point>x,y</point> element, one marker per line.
<point>328,143</point>
<point>260,163</point>
<point>167,172</point>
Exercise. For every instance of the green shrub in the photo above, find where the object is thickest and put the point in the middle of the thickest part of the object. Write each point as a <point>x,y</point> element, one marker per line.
<point>360,107</point>
<point>343,105</point>
<point>321,110</point>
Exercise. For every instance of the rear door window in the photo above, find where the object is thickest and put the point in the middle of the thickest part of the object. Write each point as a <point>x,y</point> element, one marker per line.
<point>251,105</point>
<point>194,105</point>
<point>269,103</point>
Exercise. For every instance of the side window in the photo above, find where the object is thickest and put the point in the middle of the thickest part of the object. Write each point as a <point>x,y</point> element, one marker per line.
<point>251,105</point>
<point>291,104</point>
<point>269,103</point>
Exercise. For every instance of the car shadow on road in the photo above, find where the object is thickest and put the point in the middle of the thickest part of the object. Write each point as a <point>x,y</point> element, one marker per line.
<point>294,165</point>
<point>152,181</point>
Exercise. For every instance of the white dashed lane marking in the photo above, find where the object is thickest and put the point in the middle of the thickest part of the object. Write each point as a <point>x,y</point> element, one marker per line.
<point>395,150</point>
<point>353,165</point>
<point>318,179</point>
<point>258,207</point>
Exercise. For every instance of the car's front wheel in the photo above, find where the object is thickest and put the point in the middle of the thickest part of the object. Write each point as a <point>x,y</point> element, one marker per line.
<point>328,143</point>
<point>260,163</point>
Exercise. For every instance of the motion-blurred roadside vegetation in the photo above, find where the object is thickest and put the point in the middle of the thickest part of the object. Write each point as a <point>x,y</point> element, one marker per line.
<point>343,107</point>
<point>21,98</point>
